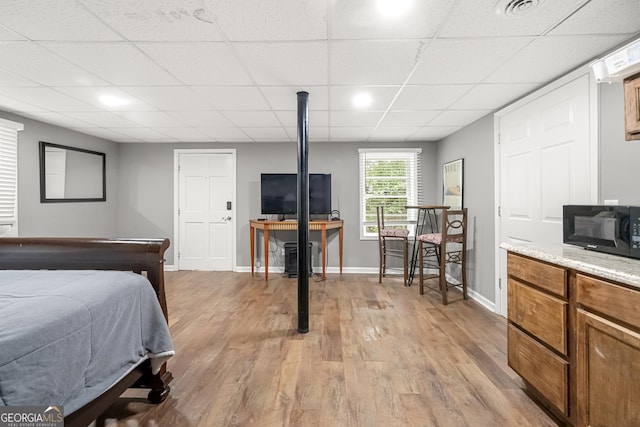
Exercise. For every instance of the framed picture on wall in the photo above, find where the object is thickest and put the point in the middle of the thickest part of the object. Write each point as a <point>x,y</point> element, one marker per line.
<point>452,182</point>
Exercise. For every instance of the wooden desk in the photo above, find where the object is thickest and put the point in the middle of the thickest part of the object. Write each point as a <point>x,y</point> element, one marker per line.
<point>321,226</point>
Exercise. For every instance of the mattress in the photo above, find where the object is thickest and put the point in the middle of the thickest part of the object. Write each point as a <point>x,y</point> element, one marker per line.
<point>67,336</point>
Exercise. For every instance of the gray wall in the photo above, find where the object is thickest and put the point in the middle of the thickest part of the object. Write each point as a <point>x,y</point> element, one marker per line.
<point>145,202</point>
<point>87,219</point>
<point>619,171</point>
<point>474,144</point>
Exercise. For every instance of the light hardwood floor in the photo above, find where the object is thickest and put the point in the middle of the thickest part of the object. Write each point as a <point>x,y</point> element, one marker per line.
<point>375,355</point>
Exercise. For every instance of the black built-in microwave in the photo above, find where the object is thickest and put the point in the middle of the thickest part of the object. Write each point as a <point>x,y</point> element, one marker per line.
<point>610,229</point>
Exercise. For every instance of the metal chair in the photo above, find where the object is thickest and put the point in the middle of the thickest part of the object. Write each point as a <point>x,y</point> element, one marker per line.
<point>387,236</point>
<point>446,248</point>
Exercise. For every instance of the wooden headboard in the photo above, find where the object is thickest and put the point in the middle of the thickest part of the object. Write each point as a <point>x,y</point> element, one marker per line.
<point>53,253</point>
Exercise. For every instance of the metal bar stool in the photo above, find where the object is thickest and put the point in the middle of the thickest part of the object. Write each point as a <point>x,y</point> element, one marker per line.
<point>447,247</point>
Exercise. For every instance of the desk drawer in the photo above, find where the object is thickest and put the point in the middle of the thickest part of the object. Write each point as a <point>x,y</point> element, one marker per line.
<point>539,313</point>
<point>608,298</point>
<point>544,276</point>
<point>540,367</point>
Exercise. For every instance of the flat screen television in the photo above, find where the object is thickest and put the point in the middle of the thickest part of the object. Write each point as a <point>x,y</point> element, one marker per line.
<point>279,193</point>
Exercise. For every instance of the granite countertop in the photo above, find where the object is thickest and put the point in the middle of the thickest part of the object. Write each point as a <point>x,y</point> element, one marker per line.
<point>609,267</point>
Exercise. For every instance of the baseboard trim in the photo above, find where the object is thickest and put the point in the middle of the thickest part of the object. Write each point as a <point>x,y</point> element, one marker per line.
<point>477,297</point>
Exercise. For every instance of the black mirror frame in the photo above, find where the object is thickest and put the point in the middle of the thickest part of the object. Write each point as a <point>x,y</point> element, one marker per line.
<point>43,184</point>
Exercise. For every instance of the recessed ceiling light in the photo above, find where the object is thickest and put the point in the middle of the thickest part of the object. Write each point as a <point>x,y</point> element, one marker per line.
<point>393,7</point>
<point>113,101</point>
<point>362,100</point>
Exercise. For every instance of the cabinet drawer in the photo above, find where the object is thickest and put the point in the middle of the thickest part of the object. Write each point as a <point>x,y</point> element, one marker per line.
<point>540,367</point>
<point>608,298</point>
<point>545,276</point>
<point>541,314</point>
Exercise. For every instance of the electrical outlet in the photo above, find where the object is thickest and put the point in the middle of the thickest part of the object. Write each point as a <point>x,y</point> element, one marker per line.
<point>258,264</point>
<point>282,251</point>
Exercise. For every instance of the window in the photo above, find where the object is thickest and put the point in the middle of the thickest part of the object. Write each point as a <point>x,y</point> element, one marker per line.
<point>389,178</point>
<point>8,173</point>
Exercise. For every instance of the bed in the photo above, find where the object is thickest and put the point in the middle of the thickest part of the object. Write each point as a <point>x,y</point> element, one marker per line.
<point>82,320</point>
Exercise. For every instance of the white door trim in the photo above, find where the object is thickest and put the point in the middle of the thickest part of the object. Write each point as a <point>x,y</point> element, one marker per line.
<point>500,296</point>
<point>176,200</point>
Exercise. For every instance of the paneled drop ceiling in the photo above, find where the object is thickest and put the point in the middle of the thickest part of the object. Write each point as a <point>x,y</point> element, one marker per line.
<point>229,70</point>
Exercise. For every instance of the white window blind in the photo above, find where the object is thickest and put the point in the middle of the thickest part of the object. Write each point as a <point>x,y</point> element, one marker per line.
<point>8,171</point>
<point>389,178</point>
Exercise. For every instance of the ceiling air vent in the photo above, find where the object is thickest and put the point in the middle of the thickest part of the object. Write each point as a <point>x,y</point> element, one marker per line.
<point>517,8</point>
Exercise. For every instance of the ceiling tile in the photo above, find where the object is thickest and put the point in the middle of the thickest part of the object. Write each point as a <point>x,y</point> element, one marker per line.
<point>286,98</point>
<point>372,62</point>
<point>342,96</point>
<point>316,118</point>
<point>268,133</point>
<point>473,18</point>
<point>34,62</point>
<point>361,19</point>
<point>232,97</point>
<point>394,133</point>
<point>201,118</point>
<point>225,133</point>
<point>91,95</point>
<point>154,119</point>
<point>429,97</point>
<point>145,134</point>
<point>551,57</point>
<point>611,16</point>
<point>250,20</point>
<point>458,117</point>
<point>120,64</point>
<point>229,70</point>
<point>198,63</point>
<point>59,120</point>
<point>170,98</point>
<point>299,63</point>
<point>103,119</point>
<point>10,79</point>
<point>350,133</point>
<point>7,35</point>
<point>252,118</point>
<point>47,98</point>
<point>103,133</point>
<point>433,133</point>
<point>54,20</point>
<point>355,118</point>
<point>408,118</point>
<point>185,134</point>
<point>157,20</point>
<point>464,61</point>
<point>13,105</point>
<point>492,96</point>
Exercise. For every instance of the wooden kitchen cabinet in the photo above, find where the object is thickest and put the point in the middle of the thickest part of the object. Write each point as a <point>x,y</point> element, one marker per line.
<point>574,334</point>
<point>538,328</point>
<point>632,108</point>
<point>608,353</point>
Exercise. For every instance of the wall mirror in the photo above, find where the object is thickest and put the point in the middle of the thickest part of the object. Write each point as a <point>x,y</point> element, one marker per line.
<point>70,174</point>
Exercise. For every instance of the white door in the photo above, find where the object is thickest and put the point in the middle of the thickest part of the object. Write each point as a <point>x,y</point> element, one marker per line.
<point>545,162</point>
<point>206,207</point>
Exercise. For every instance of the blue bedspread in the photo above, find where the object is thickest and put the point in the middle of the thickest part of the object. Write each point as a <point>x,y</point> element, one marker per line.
<point>67,336</point>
